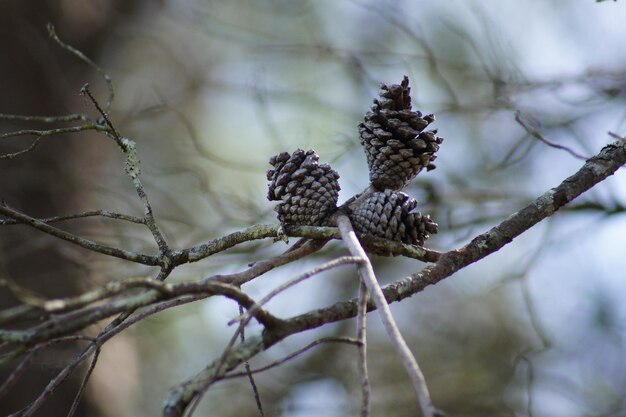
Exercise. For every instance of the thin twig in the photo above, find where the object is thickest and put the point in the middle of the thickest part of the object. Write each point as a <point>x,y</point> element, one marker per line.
<point>344,260</point>
<point>217,371</point>
<point>348,340</point>
<point>50,132</point>
<point>118,138</point>
<point>51,387</point>
<point>61,305</point>
<point>595,170</point>
<point>92,213</point>
<point>260,268</point>
<point>537,135</point>
<point>83,384</point>
<point>19,370</point>
<point>97,343</point>
<point>107,79</point>
<point>264,231</point>
<point>361,332</point>
<point>367,275</point>
<point>255,389</point>
<point>44,119</point>
<point>133,171</point>
<point>23,151</point>
<point>64,324</point>
<point>234,293</point>
<point>85,243</point>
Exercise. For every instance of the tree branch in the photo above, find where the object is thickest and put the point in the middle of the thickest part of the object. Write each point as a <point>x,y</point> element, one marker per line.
<point>344,260</point>
<point>107,79</point>
<point>346,340</point>
<point>366,271</point>
<point>595,170</point>
<point>85,243</point>
<point>51,132</point>
<point>264,231</point>
<point>92,213</point>
<point>361,334</point>
<point>132,168</point>
<point>157,291</point>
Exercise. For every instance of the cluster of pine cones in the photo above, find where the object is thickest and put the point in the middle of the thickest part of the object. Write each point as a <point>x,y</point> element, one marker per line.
<point>397,149</point>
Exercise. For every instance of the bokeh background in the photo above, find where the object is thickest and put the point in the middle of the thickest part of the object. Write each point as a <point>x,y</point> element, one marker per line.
<point>210,90</point>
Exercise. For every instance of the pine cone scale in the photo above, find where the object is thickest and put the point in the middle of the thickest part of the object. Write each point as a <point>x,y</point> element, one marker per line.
<point>307,191</point>
<point>396,146</point>
<point>388,214</point>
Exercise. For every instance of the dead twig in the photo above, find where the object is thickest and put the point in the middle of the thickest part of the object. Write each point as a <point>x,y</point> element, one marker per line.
<point>361,332</point>
<point>367,275</point>
<point>133,171</point>
<point>107,79</point>
<point>274,364</point>
<point>72,238</point>
<point>537,135</point>
<point>344,260</point>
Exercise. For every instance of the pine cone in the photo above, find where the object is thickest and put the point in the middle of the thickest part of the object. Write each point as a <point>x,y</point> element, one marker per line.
<point>396,145</point>
<point>308,190</point>
<point>387,214</point>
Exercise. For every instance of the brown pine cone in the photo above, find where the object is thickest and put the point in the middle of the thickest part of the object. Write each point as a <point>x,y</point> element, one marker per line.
<point>387,214</point>
<point>396,145</point>
<point>307,190</point>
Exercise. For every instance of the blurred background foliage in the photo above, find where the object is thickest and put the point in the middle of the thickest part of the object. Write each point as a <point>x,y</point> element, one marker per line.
<point>211,89</point>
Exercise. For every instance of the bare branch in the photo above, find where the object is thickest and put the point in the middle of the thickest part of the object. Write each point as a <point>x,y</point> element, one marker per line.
<point>98,342</point>
<point>347,340</point>
<point>19,370</point>
<point>62,305</point>
<point>133,171</point>
<point>259,268</point>
<point>253,385</point>
<point>32,354</point>
<point>595,170</point>
<point>158,291</point>
<point>367,275</point>
<point>51,132</point>
<point>83,384</point>
<point>51,387</point>
<point>361,332</point>
<point>344,260</point>
<point>23,151</point>
<point>216,371</point>
<point>85,243</point>
<point>264,231</point>
<point>107,79</point>
<point>92,213</point>
<point>44,119</point>
<point>537,135</point>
